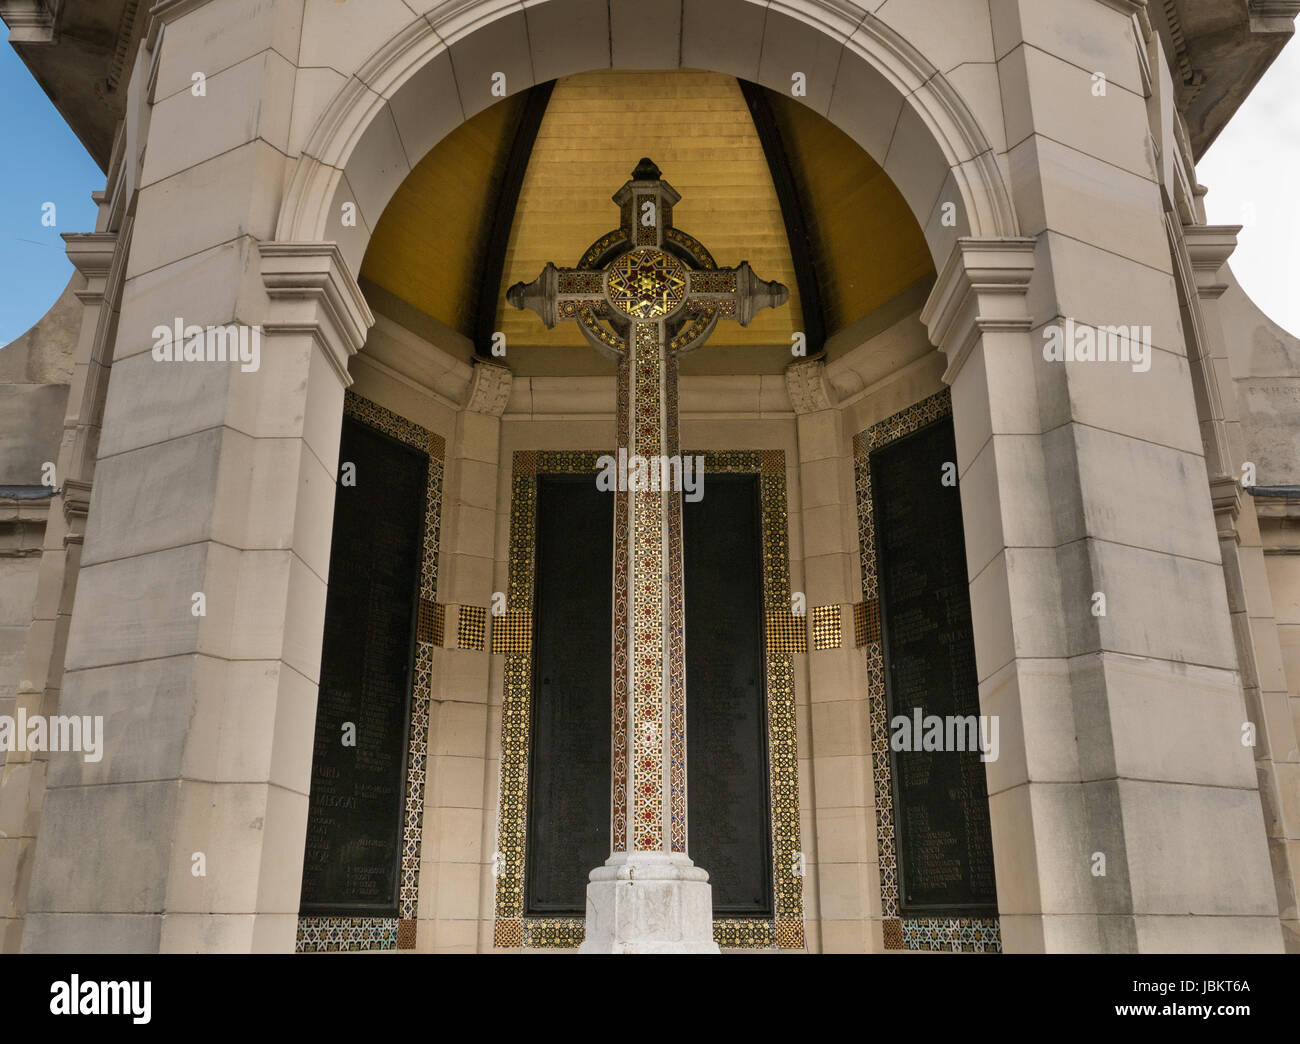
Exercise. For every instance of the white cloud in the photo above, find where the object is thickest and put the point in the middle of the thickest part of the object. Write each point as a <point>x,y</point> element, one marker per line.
<point>1252,172</point>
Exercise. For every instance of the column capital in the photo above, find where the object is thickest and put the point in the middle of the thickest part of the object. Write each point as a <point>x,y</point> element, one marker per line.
<point>809,390</point>
<point>981,288</point>
<point>312,290</point>
<point>1209,247</point>
<point>489,389</point>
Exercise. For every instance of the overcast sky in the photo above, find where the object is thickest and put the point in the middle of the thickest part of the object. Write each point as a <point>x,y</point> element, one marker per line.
<point>1252,171</point>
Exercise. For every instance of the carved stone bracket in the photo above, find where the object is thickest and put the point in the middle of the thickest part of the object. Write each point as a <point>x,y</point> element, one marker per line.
<point>806,383</point>
<point>489,389</point>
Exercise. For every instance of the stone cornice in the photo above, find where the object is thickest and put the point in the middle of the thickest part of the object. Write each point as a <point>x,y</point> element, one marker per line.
<point>980,289</point>
<point>312,291</point>
<point>1128,7</point>
<point>30,21</point>
<point>1273,15</point>
<point>91,253</point>
<point>165,11</point>
<point>1209,247</point>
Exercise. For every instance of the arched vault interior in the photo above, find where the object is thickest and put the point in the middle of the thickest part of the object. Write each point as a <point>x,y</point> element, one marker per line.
<point>763,179</point>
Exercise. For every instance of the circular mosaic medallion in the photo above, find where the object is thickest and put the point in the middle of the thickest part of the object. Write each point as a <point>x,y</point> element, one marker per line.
<point>647,284</point>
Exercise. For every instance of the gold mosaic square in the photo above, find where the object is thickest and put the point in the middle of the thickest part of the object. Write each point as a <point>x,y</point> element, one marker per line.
<point>866,622</point>
<point>431,622</point>
<point>512,631</point>
<point>786,633</point>
<point>471,627</point>
<point>826,631</point>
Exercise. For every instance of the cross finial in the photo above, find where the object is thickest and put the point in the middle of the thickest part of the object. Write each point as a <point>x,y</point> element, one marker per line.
<point>646,170</point>
<point>647,270</point>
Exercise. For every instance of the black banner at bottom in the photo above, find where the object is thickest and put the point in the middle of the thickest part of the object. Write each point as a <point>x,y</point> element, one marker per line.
<point>338,992</point>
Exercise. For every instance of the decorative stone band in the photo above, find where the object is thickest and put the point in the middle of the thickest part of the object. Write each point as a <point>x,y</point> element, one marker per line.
<point>312,291</point>
<point>981,289</point>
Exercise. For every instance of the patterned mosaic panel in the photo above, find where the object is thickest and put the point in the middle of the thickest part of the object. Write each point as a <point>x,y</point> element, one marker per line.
<point>339,934</point>
<point>866,622</point>
<point>431,622</point>
<point>512,631</point>
<point>471,627</point>
<point>579,283</point>
<point>699,253</point>
<point>713,282</point>
<point>649,573</point>
<point>619,729</point>
<point>900,933</point>
<point>647,284</point>
<point>382,933</point>
<point>601,247</point>
<point>676,633</point>
<point>786,633</point>
<point>512,929</point>
<point>826,631</point>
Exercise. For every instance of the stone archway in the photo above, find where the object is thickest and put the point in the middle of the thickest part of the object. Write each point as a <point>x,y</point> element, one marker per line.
<point>441,70</point>
<point>436,74</point>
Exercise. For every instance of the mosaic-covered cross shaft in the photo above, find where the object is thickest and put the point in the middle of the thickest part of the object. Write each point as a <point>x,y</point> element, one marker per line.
<point>643,294</point>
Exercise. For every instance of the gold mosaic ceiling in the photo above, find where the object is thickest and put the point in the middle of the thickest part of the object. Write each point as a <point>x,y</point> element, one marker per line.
<point>428,248</point>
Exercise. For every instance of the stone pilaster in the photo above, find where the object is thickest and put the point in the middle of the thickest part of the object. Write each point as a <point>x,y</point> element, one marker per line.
<point>842,866</point>
<point>99,260</point>
<point>1108,830</point>
<point>1250,601</point>
<point>456,867</point>
<point>197,635</point>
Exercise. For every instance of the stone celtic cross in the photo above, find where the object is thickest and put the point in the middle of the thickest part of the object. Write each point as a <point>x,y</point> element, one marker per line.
<point>644,294</point>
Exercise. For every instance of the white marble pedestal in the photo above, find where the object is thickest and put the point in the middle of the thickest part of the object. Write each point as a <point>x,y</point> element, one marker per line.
<point>649,902</point>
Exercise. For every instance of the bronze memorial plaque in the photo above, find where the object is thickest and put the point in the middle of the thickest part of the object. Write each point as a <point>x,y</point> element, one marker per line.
<point>354,820</point>
<point>945,846</point>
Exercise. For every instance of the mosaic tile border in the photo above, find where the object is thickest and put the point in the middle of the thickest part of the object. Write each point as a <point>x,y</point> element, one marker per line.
<point>970,935</point>
<point>512,929</point>
<point>317,934</point>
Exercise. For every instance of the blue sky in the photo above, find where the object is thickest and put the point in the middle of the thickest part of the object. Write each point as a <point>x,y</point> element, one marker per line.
<point>41,161</point>
<point>1252,171</point>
